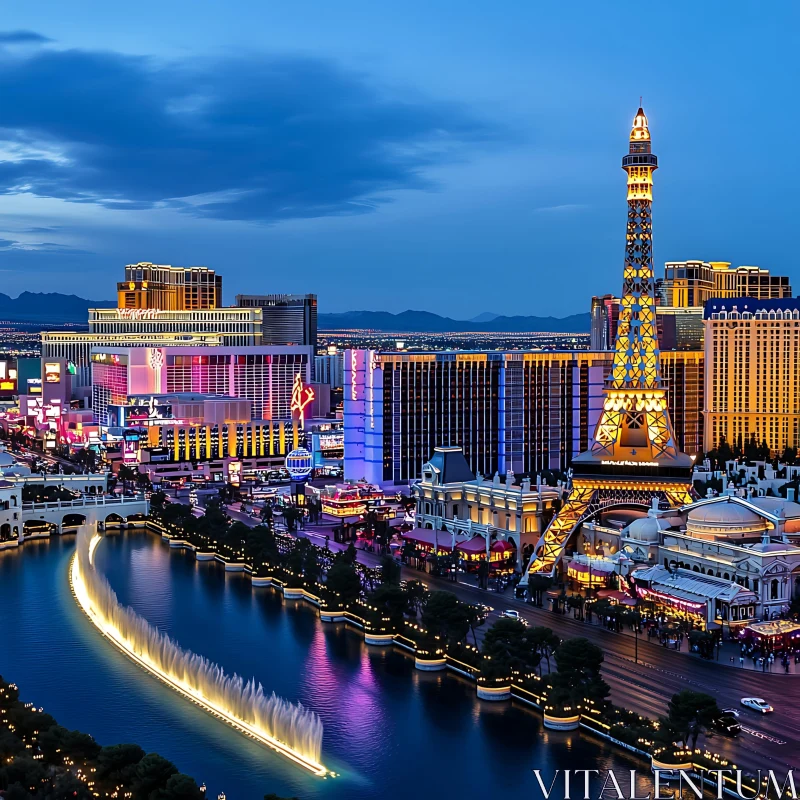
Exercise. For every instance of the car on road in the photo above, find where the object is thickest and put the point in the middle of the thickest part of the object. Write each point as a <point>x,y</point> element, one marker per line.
<point>509,613</point>
<point>726,723</point>
<point>757,704</point>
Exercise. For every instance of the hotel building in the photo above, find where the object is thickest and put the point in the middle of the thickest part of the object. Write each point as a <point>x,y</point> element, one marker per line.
<point>329,369</point>
<point>151,327</point>
<point>286,318</point>
<point>690,284</point>
<point>680,297</point>
<point>520,411</point>
<point>752,380</point>
<point>149,285</point>
<point>605,315</point>
<point>263,375</point>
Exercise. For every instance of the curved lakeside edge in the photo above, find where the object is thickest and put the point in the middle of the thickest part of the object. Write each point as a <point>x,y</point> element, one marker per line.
<point>589,724</point>
<point>131,634</point>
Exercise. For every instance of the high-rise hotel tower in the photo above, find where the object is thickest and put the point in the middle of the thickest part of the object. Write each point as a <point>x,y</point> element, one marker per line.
<point>633,456</point>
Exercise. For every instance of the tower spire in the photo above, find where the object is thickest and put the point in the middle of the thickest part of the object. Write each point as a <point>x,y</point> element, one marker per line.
<point>633,456</point>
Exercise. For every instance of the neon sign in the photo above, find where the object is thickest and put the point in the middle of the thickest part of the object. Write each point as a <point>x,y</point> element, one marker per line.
<point>52,372</point>
<point>631,463</point>
<point>353,375</point>
<point>676,602</point>
<point>301,396</point>
<point>156,359</point>
<point>137,313</point>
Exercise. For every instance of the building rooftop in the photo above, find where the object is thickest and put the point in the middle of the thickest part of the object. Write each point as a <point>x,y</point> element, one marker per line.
<point>684,583</point>
<point>449,465</point>
<point>750,305</point>
<point>723,513</point>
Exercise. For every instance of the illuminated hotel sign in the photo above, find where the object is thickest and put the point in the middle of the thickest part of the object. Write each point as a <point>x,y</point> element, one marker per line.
<point>52,372</point>
<point>138,313</point>
<point>353,375</point>
<point>301,396</point>
<point>630,463</point>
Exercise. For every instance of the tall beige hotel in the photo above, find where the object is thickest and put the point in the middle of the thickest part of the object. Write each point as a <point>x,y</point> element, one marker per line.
<point>752,376</point>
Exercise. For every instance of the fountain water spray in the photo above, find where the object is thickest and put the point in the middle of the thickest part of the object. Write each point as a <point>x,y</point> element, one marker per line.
<point>290,728</point>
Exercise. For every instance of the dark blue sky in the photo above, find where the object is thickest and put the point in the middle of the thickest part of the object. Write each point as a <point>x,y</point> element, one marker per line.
<point>444,156</point>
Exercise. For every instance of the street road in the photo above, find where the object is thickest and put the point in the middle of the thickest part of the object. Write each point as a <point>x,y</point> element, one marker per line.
<point>767,741</point>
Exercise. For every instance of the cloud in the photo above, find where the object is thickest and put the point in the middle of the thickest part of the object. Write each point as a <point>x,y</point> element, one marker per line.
<point>22,37</point>
<point>246,138</point>
<point>15,246</point>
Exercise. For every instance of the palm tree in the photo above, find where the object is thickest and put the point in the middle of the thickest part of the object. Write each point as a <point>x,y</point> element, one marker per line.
<point>126,474</point>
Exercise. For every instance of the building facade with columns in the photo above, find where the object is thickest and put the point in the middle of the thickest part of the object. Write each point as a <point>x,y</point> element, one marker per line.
<point>451,498</point>
<point>748,542</point>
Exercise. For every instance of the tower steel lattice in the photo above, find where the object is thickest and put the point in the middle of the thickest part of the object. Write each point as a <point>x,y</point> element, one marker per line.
<point>633,456</point>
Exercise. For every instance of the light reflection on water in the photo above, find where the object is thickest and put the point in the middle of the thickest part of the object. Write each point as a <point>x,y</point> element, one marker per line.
<point>386,725</point>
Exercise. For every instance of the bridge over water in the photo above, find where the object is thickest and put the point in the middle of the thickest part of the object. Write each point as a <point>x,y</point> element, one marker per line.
<point>87,509</point>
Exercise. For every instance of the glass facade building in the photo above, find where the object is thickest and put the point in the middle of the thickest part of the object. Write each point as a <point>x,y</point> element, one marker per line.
<point>520,411</point>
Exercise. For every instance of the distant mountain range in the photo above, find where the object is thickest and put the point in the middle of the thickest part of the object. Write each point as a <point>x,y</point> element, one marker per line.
<point>49,307</point>
<point>52,307</point>
<point>426,322</point>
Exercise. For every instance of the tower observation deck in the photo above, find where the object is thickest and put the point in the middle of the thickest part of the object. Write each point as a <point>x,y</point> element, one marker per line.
<point>632,456</point>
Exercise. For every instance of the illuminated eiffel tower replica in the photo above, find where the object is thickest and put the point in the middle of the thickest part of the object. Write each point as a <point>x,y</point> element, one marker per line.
<point>633,456</point>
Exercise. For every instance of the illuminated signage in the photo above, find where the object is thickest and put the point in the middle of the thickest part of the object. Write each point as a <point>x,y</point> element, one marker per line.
<point>301,396</point>
<point>353,375</point>
<point>109,358</point>
<point>137,313</point>
<point>130,447</point>
<point>52,372</point>
<point>331,441</point>
<point>8,386</point>
<point>631,463</point>
<point>156,359</point>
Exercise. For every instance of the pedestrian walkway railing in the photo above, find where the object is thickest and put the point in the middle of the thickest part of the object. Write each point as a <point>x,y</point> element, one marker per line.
<point>85,502</point>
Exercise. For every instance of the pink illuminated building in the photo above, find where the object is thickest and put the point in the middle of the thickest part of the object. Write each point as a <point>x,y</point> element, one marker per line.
<point>263,375</point>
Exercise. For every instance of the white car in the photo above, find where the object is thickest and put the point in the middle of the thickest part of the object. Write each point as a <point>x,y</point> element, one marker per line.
<point>757,704</point>
<point>509,613</point>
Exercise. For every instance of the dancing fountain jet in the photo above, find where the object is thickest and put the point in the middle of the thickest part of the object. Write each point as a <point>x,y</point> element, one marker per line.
<point>289,728</point>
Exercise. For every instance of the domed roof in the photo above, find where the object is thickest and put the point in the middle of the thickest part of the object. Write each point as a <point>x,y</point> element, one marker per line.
<point>777,505</point>
<point>724,514</point>
<point>645,529</point>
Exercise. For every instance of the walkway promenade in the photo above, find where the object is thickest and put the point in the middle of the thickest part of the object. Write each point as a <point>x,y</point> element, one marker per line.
<point>643,681</point>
